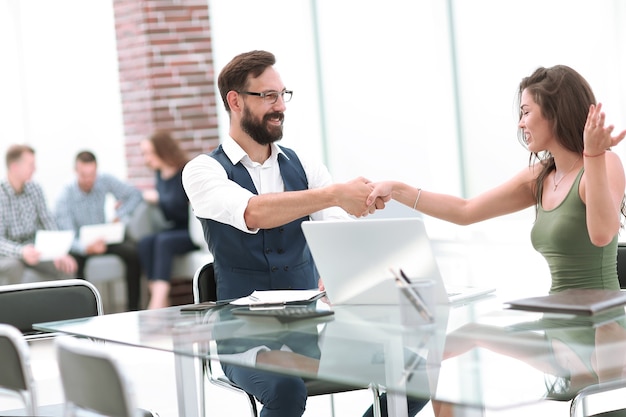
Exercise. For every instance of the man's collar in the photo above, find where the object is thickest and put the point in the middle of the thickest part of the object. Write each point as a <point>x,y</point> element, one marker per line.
<point>235,153</point>
<point>9,187</point>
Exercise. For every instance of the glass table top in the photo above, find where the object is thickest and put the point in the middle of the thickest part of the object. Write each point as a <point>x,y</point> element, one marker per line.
<point>479,354</point>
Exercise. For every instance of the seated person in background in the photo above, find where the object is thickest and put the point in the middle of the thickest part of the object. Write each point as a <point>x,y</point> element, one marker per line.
<point>82,202</point>
<point>23,211</point>
<point>156,252</point>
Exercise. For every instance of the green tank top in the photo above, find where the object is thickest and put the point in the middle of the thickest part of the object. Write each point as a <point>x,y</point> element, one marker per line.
<point>561,236</point>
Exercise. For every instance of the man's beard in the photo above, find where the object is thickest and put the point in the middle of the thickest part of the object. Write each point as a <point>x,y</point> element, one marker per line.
<point>260,131</point>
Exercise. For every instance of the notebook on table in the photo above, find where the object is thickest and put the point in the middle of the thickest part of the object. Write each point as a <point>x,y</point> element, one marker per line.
<point>353,258</point>
<point>578,301</point>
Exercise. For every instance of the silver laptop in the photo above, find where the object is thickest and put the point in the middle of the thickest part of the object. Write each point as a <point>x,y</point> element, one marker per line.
<point>354,258</point>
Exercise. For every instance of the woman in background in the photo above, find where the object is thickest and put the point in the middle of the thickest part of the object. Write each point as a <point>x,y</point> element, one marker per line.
<point>156,252</point>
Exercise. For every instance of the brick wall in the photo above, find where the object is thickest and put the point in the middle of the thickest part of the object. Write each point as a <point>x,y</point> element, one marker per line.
<point>166,76</point>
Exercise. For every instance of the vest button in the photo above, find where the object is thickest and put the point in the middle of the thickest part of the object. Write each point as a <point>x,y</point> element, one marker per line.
<point>268,251</point>
<point>274,268</point>
<point>280,251</point>
<point>286,268</point>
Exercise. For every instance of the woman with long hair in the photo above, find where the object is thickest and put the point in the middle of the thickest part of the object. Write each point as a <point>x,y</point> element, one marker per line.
<point>156,252</point>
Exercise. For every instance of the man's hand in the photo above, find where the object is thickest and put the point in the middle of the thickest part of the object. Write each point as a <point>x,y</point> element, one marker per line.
<point>30,255</point>
<point>151,196</point>
<point>353,196</point>
<point>96,248</point>
<point>66,264</point>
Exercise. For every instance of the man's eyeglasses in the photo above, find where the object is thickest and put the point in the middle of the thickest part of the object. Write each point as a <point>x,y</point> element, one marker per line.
<point>271,97</point>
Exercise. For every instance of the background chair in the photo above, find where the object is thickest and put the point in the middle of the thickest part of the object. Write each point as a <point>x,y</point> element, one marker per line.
<point>21,306</point>
<point>148,219</point>
<point>205,289</point>
<point>105,271</point>
<point>15,373</point>
<point>94,381</point>
<point>578,403</point>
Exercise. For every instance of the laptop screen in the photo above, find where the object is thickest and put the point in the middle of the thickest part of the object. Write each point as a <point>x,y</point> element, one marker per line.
<point>354,258</point>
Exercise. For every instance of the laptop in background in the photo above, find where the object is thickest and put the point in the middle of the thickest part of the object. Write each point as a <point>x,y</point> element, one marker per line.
<point>353,258</point>
<point>110,233</point>
<point>52,244</point>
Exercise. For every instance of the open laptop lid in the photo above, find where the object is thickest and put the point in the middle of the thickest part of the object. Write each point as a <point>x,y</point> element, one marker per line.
<point>353,258</point>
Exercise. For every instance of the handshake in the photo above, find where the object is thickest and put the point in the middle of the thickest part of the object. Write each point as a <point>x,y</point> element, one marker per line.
<point>360,197</point>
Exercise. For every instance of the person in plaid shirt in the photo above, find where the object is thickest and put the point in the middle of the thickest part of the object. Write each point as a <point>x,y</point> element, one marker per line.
<point>82,202</point>
<point>23,211</point>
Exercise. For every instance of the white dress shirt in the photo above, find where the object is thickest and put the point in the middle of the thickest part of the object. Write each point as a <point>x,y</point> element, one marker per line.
<point>213,196</point>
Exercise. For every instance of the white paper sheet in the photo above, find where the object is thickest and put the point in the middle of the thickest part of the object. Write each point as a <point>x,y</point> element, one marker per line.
<point>53,244</point>
<point>278,297</point>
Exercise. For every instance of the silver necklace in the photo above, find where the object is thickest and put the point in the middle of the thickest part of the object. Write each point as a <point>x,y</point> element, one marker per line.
<point>556,183</point>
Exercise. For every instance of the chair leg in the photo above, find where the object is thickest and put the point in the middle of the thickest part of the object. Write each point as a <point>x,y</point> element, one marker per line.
<point>253,408</point>
<point>111,295</point>
<point>375,400</point>
<point>206,372</point>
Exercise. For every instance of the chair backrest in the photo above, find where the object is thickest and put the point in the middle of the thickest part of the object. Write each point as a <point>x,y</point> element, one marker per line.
<point>22,305</point>
<point>621,264</point>
<point>93,380</point>
<point>15,371</point>
<point>204,285</point>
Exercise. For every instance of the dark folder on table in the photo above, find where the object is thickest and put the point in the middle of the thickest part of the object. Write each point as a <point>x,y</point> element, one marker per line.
<point>574,301</point>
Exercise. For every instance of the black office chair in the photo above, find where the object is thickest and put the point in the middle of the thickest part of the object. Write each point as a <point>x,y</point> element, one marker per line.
<point>22,305</point>
<point>205,289</point>
<point>580,398</point>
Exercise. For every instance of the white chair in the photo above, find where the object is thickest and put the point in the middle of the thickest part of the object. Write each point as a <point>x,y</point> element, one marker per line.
<point>15,373</point>
<point>22,305</point>
<point>105,271</point>
<point>94,381</point>
<point>148,219</point>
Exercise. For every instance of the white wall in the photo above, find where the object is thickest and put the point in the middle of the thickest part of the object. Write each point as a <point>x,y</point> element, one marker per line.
<point>60,89</point>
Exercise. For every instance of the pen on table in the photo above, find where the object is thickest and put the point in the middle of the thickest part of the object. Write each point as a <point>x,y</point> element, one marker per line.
<point>417,294</point>
<point>413,295</point>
